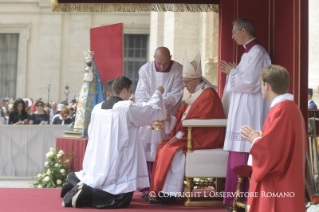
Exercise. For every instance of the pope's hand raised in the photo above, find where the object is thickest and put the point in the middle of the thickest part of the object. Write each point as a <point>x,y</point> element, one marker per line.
<point>161,89</point>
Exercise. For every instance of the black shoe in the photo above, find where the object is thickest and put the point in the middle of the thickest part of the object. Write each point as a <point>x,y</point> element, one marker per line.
<point>143,195</point>
<point>67,199</point>
<point>240,210</point>
<point>229,207</point>
<point>65,189</point>
<point>83,198</point>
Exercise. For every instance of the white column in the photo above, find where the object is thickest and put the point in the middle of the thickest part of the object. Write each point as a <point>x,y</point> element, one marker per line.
<point>181,33</point>
<point>49,56</point>
<point>75,40</point>
<point>209,46</point>
<point>156,32</point>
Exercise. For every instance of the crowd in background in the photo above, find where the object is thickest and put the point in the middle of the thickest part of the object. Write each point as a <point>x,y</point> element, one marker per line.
<point>28,111</point>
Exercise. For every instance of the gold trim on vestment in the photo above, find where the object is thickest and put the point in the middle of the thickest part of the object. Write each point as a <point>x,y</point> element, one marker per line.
<point>131,7</point>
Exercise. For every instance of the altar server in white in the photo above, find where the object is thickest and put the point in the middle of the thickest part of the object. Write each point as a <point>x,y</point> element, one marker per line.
<point>114,162</point>
<point>247,106</point>
<point>161,72</point>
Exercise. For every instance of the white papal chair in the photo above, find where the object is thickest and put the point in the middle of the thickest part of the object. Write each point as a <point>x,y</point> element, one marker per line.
<point>206,163</point>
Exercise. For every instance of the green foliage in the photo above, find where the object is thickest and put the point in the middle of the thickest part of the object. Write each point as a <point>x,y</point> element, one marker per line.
<point>56,169</point>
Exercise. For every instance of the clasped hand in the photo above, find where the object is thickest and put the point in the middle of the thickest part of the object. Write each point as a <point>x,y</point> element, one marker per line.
<point>226,67</point>
<point>249,133</point>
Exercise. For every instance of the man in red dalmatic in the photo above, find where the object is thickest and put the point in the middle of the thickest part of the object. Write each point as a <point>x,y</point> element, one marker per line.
<point>204,103</point>
<point>278,152</point>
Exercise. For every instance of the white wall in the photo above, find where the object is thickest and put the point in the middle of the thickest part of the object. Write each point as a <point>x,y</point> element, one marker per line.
<point>51,45</point>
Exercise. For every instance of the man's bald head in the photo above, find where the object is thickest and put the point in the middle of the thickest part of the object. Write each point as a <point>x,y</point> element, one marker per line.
<point>162,58</point>
<point>162,51</point>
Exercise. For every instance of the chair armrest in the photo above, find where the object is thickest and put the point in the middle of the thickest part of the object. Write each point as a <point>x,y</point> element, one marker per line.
<point>205,123</point>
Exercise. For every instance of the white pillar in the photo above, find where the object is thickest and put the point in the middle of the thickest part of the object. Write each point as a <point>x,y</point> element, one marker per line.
<point>75,40</point>
<point>209,46</point>
<point>156,32</point>
<point>49,54</point>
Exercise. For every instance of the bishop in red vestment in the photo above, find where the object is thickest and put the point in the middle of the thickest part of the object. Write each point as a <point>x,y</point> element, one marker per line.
<point>204,103</point>
<point>278,152</point>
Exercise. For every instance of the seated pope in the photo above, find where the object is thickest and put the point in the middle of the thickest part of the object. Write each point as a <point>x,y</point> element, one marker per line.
<point>203,103</point>
<point>114,161</point>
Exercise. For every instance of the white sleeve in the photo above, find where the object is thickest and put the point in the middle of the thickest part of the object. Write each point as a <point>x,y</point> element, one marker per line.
<point>175,94</point>
<point>146,113</point>
<point>170,126</point>
<point>142,93</point>
<point>250,159</point>
<point>247,79</point>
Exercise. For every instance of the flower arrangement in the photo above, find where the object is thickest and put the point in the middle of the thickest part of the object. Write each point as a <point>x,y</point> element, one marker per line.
<point>55,170</point>
<point>313,205</point>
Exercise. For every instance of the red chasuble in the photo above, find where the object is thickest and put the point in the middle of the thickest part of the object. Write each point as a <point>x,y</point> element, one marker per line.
<point>206,106</point>
<point>279,162</point>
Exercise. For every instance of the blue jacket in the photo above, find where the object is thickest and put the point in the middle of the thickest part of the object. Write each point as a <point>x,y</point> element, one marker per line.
<point>312,105</point>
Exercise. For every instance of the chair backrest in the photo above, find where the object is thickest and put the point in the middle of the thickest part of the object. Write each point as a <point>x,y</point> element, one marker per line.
<point>226,102</point>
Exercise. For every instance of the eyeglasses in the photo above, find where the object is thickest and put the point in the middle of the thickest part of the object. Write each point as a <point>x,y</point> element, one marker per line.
<point>186,82</point>
<point>39,105</point>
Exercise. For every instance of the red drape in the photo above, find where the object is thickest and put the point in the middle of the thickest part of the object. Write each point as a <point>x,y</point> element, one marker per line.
<point>107,44</point>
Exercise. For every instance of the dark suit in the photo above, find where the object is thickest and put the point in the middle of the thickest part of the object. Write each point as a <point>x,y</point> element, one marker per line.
<point>312,105</point>
<point>108,104</point>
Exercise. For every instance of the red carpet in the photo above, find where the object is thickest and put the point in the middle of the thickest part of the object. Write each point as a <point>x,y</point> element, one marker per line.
<point>48,200</point>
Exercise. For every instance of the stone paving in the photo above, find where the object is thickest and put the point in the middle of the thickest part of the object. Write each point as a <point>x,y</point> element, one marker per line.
<point>15,182</point>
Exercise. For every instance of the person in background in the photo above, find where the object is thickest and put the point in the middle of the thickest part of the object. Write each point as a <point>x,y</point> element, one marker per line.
<point>63,118</point>
<point>47,110</point>
<point>32,109</point>
<point>18,115</point>
<point>71,112</point>
<point>39,116</point>
<point>10,107</point>
<point>4,107</point>
<point>65,103</point>
<point>60,106</point>
<point>72,103</point>
<point>27,108</point>
<point>311,104</point>
<point>1,110</point>
<point>53,111</point>
<point>107,89</point>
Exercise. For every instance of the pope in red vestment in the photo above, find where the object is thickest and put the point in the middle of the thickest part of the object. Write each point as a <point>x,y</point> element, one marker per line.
<point>278,153</point>
<point>207,106</point>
